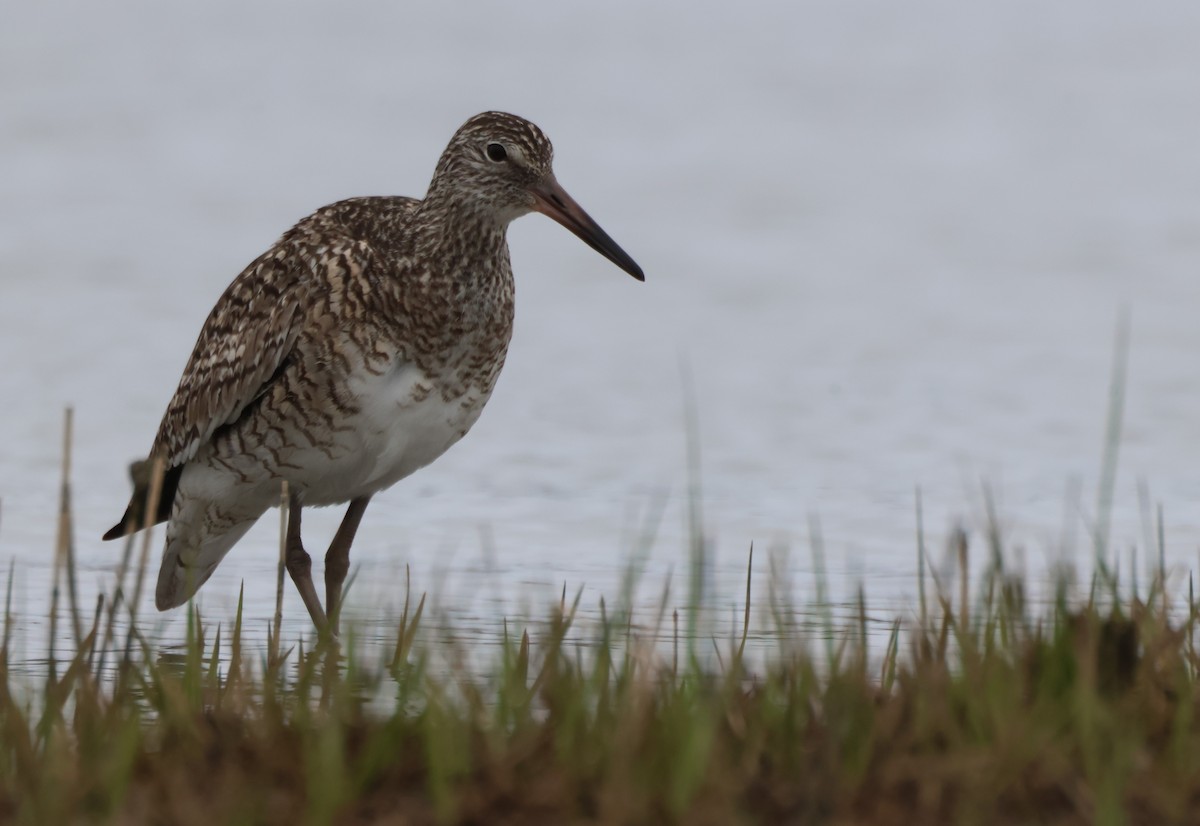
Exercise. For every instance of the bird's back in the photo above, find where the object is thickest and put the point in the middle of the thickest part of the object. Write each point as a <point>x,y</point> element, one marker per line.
<point>319,279</point>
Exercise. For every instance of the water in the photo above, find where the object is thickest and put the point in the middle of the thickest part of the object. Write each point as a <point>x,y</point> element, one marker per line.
<point>890,245</point>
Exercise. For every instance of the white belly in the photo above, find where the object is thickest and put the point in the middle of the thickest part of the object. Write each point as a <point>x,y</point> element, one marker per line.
<point>404,423</point>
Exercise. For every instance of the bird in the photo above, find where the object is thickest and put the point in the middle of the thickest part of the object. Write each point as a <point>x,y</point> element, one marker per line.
<point>356,350</point>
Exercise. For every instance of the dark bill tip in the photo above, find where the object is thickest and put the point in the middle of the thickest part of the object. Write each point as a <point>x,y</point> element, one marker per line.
<point>551,199</point>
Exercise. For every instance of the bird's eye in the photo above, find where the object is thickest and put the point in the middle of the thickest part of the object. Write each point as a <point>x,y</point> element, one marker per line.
<point>497,152</point>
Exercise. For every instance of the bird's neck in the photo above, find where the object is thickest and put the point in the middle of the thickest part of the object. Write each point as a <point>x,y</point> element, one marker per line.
<point>467,239</point>
<point>466,302</point>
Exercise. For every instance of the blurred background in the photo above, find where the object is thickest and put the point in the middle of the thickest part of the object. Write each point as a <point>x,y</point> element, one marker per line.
<point>890,244</point>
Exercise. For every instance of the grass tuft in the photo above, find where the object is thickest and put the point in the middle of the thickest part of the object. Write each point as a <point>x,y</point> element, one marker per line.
<point>995,712</point>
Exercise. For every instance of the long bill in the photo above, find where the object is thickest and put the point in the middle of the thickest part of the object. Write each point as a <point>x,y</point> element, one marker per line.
<point>551,199</point>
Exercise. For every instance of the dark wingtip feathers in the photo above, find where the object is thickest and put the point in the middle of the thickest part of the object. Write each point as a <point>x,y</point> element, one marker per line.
<point>135,513</point>
<point>120,529</point>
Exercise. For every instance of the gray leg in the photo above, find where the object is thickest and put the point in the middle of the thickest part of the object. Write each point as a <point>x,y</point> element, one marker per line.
<point>299,566</point>
<point>337,559</point>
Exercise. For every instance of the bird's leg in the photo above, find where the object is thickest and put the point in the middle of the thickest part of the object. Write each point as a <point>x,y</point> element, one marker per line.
<point>337,559</point>
<point>299,565</point>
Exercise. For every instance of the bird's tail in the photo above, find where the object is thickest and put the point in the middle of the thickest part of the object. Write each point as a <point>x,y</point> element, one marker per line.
<point>190,558</point>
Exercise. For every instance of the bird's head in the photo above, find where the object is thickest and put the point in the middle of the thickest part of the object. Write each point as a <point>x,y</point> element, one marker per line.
<point>502,164</point>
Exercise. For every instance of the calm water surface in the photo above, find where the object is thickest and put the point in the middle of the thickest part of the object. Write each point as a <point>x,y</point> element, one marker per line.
<point>889,245</point>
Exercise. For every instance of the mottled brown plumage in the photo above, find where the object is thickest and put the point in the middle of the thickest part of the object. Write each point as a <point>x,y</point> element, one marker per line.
<point>355,350</point>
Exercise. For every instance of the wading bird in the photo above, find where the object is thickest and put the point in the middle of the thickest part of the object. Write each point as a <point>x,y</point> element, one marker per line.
<point>356,350</point>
